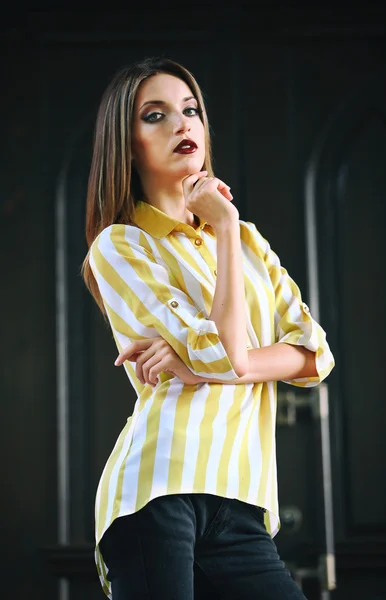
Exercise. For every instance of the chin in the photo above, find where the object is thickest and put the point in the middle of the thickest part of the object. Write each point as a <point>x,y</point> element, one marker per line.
<point>191,166</point>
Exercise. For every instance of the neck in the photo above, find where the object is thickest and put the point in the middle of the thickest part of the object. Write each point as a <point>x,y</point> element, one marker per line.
<point>170,200</point>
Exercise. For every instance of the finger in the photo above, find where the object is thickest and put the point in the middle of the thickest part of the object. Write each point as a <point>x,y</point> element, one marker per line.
<point>151,366</point>
<point>200,183</point>
<point>142,360</point>
<point>189,182</point>
<point>135,357</point>
<point>201,175</point>
<point>225,190</point>
<point>215,183</point>
<point>210,183</point>
<point>158,368</point>
<point>226,193</point>
<point>133,348</point>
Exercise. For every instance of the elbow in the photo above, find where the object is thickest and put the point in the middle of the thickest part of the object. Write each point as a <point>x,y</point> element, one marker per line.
<point>240,367</point>
<point>310,364</point>
<point>241,372</point>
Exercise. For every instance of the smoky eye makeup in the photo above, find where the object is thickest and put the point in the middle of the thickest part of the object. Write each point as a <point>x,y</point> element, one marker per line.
<point>195,109</point>
<point>155,115</point>
<point>144,112</point>
<point>155,111</point>
<point>152,117</point>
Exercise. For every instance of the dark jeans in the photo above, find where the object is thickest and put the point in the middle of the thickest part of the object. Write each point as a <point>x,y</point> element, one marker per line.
<point>185,546</point>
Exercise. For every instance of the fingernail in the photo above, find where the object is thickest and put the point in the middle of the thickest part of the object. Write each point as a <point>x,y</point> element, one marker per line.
<point>116,363</point>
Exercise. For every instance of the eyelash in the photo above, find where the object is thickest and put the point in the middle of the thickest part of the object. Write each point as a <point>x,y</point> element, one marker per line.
<point>148,118</point>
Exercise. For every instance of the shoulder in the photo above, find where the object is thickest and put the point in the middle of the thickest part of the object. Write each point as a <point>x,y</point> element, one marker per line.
<point>114,237</point>
<point>120,242</point>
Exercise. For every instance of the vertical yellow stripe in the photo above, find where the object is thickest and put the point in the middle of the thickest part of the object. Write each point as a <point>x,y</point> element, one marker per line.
<point>233,422</point>
<point>106,478</point>
<point>103,575</point>
<point>244,465</point>
<point>253,305</point>
<point>146,468</point>
<point>209,258</point>
<point>144,397</point>
<point>207,294</point>
<point>103,566</point>
<point>266,441</point>
<point>177,452</point>
<point>206,435</point>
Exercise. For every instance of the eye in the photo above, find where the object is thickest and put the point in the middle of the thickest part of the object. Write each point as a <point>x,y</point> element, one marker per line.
<point>153,117</point>
<point>191,111</point>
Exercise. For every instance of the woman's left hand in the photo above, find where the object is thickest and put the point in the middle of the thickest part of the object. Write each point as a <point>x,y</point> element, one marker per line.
<point>152,356</point>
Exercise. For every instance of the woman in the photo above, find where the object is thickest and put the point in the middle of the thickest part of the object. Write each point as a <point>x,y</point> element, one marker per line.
<point>206,321</point>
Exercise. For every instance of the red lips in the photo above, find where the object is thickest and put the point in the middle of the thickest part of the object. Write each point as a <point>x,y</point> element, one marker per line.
<point>186,147</point>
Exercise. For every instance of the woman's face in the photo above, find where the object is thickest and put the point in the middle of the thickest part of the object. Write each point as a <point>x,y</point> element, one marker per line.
<point>166,114</point>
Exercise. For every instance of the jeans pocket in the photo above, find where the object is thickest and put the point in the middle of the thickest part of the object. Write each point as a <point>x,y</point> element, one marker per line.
<point>256,511</point>
<point>217,515</point>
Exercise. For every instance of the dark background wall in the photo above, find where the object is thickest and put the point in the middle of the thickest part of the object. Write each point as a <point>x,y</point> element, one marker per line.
<point>297,105</point>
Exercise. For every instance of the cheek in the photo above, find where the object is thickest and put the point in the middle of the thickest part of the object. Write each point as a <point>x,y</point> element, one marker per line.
<point>144,146</point>
<point>200,131</point>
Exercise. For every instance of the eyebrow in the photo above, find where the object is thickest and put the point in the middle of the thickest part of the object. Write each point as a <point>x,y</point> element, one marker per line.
<point>162,102</point>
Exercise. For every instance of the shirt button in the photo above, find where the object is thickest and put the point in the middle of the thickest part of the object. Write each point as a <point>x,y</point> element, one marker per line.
<point>215,272</point>
<point>174,304</point>
<point>305,307</point>
<point>198,241</point>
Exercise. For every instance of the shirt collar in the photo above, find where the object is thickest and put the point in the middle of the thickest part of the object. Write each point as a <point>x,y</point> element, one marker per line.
<point>158,224</point>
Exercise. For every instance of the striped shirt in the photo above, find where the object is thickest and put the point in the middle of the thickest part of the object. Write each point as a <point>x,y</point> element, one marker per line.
<point>157,278</point>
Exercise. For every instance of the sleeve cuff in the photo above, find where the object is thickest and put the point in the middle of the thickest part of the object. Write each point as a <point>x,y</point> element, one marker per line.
<point>205,349</point>
<point>312,336</point>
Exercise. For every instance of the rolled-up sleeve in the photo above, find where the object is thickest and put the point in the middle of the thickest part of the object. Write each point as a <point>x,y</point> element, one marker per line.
<point>142,300</point>
<point>293,320</point>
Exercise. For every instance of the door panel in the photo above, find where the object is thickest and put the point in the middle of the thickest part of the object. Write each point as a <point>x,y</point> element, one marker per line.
<point>279,103</point>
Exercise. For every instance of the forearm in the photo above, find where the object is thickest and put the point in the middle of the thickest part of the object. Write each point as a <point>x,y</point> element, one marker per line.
<point>275,363</point>
<point>228,308</point>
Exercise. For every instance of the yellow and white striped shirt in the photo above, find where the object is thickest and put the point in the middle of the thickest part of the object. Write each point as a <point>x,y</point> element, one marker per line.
<point>158,278</point>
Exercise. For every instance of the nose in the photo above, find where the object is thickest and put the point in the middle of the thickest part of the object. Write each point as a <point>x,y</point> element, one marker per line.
<point>182,124</point>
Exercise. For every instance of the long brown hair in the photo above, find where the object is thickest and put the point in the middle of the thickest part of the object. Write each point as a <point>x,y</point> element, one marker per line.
<point>114,186</point>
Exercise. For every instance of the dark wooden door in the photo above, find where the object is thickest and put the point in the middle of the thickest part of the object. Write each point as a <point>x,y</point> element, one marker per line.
<point>296,108</point>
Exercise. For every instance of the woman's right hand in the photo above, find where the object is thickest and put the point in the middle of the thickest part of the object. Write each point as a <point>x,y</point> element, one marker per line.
<point>210,199</point>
